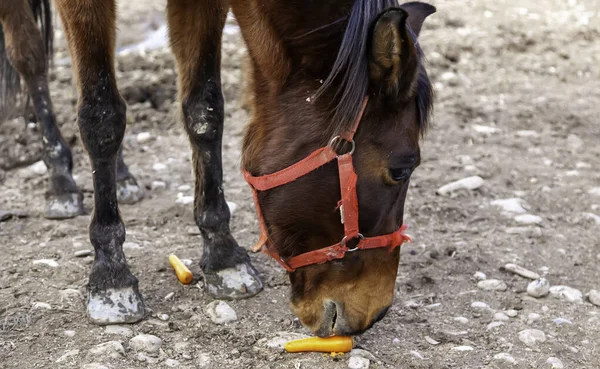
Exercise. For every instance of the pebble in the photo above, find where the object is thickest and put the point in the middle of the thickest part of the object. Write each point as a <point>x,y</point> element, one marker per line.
<point>554,363</point>
<point>184,188</point>
<point>469,183</point>
<point>146,343</point>
<point>538,288</point>
<point>143,137</point>
<point>83,253</point>
<point>526,133</point>
<point>480,276</point>
<point>567,293</point>
<point>532,317</point>
<point>48,262</point>
<point>462,348</point>
<point>220,312</point>
<point>592,216</point>
<point>172,363</point>
<point>583,165</point>
<point>67,355</point>
<point>113,349</point>
<point>594,297</point>
<point>531,337</point>
<point>561,321</point>
<point>41,305</point>
<point>203,360</point>
<point>187,262</point>
<point>232,207</point>
<point>511,206</point>
<point>163,317</point>
<point>94,366</point>
<point>184,200</point>
<point>526,231</point>
<point>519,270</point>
<point>480,306</point>
<point>493,325</point>
<point>357,362</point>
<point>431,341</point>
<point>132,246</point>
<point>484,129</point>
<point>158,185</point>
<point>363,353</point>
<point>528,219</point>
<point>159,167</point>
<point>38,168</point>
<point>69,333</point>
<point>512,313</point>
<point>169,295</point>
<point>417,355</point>
<point>501,317</point>
<point>396,341</point>
<point>492,285</point>
<point>461,320</point>
<point>119,330</point>
<point>505,358</point>
<point>69,294</point>
<point>594,191</point>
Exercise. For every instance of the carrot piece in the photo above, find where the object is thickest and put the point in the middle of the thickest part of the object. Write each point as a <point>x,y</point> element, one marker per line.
<point>183,273</point>
<point>318,344</point>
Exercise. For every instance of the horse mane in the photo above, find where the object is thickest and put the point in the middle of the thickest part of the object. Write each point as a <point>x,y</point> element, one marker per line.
<point>350,72</point>
<point>10,84</point>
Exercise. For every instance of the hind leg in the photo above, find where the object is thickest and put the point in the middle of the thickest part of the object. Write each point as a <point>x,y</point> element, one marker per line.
<point>25,51</point>
<point>90,29</point>
<point>195,29</point>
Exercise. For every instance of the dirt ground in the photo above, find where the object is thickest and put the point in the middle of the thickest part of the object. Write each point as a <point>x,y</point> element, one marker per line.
<point>518,104</point>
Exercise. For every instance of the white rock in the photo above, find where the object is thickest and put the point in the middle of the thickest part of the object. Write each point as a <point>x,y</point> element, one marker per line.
<point>501,317</point>
<point>187,262</point>
<point>519,270</point>
<point>83,253</point>
<point>431,341</point>
<point>592,217</point>
<point>528,219</point>
<point>143,137</point>
<point>527,133</point>
<point>184,200</point>
<point>169,295</point>
<point>493,325</point>
<point>396,341</point>
<point>480,276</point>
<point>48,262</point>
<point>461,320</point>
<point>163,317</point>
<point>158,185</point>
<point>172,363</point>
<point>41,306</point>
<point>539,288</point>
<point>504,357</point>
<point>220,312</point>
<point>462,348</point>
<point>362,353</point>
<point>532,317</point>
<point>531,337</point>
<point>469,183</point>
<point>566,293</point>
<point>67,355</point>
<point>512,313</point>
<point>357,362</point>
<point>184,188</point>
<point>572,173</point>
<point>112,349</point>
<point>582,165</point>
<point>69,333</point>
<point>484,129</point>
<point>158,167</point>
<point>492,285</point>
<point>94,366</point>
<point>595,191</point>
<point>38,168</point>
<point>511,206</point>
<point>554,363</point>
<point>232,207</point>
<point>132,246</point>
<point>526,231</point>
<point>203,359</point>
<point>594,297</point>
<point>146,343</point>
<point>480,306</point>
<point>417,355</point>
<point>118,330</point>
<point>562,321</point>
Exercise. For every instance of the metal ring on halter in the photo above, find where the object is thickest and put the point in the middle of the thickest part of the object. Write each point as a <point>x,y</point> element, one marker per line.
<point>336,138</point>
<point>345,239</point>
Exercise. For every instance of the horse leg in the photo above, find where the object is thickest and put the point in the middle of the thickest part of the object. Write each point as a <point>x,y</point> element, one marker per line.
<point>90,29</point>
<point>25,51</point>
<point>128,191</point>
<point>195,29</point>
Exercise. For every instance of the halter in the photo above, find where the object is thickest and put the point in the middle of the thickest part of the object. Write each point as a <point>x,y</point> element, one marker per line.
<point>348,205</point>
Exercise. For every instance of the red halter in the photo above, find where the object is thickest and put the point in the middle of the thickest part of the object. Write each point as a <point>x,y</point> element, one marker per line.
<point>348,205</point>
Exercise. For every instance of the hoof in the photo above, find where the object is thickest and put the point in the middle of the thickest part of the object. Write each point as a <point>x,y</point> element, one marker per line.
<point>128,191</point>
<point>65,206</point>
<point>239,282</point>
<point>116,306</point>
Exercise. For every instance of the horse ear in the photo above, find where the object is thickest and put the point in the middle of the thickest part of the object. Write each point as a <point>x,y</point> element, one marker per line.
<point>417,12</point>
<point>393,59</point>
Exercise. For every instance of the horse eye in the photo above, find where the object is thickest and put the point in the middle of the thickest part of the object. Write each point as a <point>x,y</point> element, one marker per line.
<point>400,174</point>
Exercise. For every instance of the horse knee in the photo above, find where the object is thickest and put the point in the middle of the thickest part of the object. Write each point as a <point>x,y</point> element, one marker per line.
<point>203,114</point>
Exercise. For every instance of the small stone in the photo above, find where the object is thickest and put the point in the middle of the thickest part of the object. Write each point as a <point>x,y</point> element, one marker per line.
<point>504,357</point>
<point>169,295</point>
<point>526,273</point>
<point>132,246</point>
<point>431,341</point>
<point>562,321</point>
<point>480,276</point>
<point>396,341</point>
<point>363,353</point>
<point>480,306</point>
<point>184,200</point>
<point>203,360</point>
<point>187,262</point>
<point>83,253</point>
<point>532,317</point>
<point>484,129</point>
<point>566,293</point>
<point>493,325</point>
<point>94,366</point>
<point>593,217</point>
<point>417,355</point>
<point>527,133</point>
<point>511,206</point>
<point>69,333</point>
<point>461,320</point>
<point>159,167</point>
<point>232,207</point>
<point>48,262</point>
<point>582,165</point>
<point>545,309</point>
<point>172,363</point>
<point>538,288</point>
<point>146,343</point>
<point>531,337</point>
<point>143,137</point>
<point>41,306</point>
<point>67,355</point>
<point>38,168</point>
<point>528,219</point>
<point>492,285</point>
<point>158,185</point>
<point>501,317</point>
<point>594,191</point>
<point>118,330</point>
<point>554,363</point>
<point>512,313</point>
<point>462,348</point>
<point>469,183</point>
<point>184,188</point>
<point>112,349</point>
<point>163,317</point>
<point>357,362</point>
<point>594,297</point>
<point>220,312</point>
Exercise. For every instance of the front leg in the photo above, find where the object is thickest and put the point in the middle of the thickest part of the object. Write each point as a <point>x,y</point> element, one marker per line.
<point>195,29</point>
<point>90,29</point>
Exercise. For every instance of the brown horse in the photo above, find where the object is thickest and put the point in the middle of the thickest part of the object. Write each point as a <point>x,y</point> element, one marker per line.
<point>24,52</point>
<point>313,66</point>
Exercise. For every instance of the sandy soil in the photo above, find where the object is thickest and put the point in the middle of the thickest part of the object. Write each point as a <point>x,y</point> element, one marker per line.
<point>518,93</point>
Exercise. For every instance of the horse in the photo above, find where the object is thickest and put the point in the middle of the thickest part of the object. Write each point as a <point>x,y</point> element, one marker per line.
<point>340,101</point>
<point>25,51</point>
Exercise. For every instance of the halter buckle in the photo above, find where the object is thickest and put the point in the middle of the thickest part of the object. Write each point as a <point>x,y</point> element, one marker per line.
<point>345,240</point>
<point>338,138</point>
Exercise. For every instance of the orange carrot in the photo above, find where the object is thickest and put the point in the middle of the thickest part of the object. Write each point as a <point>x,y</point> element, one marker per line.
<point>183,273</point>
<point>318,344</point>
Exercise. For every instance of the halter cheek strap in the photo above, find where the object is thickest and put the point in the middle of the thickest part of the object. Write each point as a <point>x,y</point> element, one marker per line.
<point>348,205</point>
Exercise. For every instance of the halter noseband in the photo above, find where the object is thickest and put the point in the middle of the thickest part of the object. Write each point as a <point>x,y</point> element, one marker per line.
<point>348,205</point>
